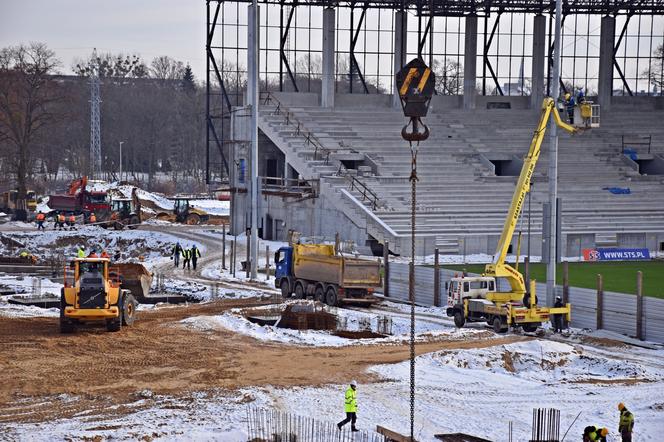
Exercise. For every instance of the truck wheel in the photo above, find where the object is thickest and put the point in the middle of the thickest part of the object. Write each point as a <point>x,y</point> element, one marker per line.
<point>319,294</point>
<point>498,325</point>
<point>331,296</point>
<point>128,310</point>
<point>115,324</point>
<point>299,290</point>
<point>285,289</point>
<point>459,320</point>
<point>133,221</point>
<point>117,225</point>
<point>530,327</point>
<point>193,219</point>
<point>66,326</point>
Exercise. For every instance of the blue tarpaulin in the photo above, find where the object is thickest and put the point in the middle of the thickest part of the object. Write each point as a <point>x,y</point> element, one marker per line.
<point>631,153</point>
<point>618,190</point>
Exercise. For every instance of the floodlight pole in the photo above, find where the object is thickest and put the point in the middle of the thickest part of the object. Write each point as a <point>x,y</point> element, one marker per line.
<point>553,165</point>
<point>253,102</point>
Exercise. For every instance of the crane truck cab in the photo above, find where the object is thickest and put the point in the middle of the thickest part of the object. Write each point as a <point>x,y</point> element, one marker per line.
<point>94,294</point>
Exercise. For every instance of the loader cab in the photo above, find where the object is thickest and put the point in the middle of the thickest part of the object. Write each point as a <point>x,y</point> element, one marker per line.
<point>121,206</point>
<point>282,260</point>
<point>474,287</point>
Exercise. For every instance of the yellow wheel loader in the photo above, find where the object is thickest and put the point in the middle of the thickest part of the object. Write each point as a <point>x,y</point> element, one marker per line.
<point>93,293</point>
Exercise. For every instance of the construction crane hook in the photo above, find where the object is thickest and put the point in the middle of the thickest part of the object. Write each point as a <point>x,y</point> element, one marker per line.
<point>420,131</point>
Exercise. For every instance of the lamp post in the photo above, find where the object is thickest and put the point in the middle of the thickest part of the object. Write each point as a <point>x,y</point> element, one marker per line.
<point>121,143</point>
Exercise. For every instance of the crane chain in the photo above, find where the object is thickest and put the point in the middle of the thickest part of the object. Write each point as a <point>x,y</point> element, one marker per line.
<point>411,284</point>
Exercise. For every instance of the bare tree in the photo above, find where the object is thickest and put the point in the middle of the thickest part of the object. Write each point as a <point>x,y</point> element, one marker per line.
<point>112,66</point>
<point>27,97</point>
<point>166,68</point>
<point>655,73</point>
<point>449,78</point>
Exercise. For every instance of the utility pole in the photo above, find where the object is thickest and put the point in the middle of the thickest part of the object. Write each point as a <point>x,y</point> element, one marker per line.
<point>121,142</point>
<point>253,54</point>
<point>95,118</point>
<point>553,164</point>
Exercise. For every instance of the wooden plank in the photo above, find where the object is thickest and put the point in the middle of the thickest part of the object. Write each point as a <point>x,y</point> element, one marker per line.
<point>393,436</point>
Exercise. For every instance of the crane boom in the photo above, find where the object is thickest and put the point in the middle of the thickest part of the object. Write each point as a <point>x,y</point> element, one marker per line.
<point>500,269</point>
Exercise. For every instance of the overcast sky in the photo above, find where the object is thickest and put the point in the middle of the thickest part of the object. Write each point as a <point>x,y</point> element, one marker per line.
<point>72,28</point>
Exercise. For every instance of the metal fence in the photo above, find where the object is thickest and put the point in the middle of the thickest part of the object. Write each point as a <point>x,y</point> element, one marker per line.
<point>618,310</point>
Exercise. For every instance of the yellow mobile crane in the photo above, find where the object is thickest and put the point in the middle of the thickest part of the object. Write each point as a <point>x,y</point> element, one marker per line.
<point>478,299</point>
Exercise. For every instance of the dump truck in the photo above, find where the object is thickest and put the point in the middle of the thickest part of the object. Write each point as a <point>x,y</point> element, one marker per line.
<point>482,298</point>
<point>94,292</point>
<point>78,200</point>
<point>316,270</point>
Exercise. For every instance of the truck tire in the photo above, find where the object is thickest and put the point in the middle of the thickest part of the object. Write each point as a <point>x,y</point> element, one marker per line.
<point>498,326</point>
<point>319,294</point>
<point>128,309</point>
<point>459,320</point>
<point>193,219</point>
<point>285,289</point>
<point>115,324</point>
<point>133,221</point>
<point>299,290</point>
<point>117,225</point>
<point>331,297</point>
<point>530,327</point>
<point>66,324</point>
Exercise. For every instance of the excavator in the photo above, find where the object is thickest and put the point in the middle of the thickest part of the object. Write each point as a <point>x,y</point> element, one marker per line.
<point>478,298</point>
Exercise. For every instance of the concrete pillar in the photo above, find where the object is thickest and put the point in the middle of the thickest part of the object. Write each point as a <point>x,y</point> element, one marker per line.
<point>470,63</point>
<point>400,46</point>
<point>327,90</point>
<point>539,52</point>
<point>605,79</point>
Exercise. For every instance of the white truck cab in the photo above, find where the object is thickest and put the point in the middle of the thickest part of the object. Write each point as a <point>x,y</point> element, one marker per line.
<point>474,287</point>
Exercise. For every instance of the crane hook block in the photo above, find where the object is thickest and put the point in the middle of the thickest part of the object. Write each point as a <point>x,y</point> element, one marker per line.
<point>416,83</point>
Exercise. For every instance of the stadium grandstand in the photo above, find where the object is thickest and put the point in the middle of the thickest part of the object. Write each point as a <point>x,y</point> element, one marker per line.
<point>331,156</point>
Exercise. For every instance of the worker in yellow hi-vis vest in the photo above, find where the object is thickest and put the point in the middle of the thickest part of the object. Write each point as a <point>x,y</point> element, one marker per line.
<point>350,407</point>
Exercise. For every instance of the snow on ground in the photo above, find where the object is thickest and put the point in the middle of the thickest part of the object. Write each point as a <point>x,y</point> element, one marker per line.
<point>152,245</point>
<point>425,329</point>
<point>477,399</point>
<point>213,207</point>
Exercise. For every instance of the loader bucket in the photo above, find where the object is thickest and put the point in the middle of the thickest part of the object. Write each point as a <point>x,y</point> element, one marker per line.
<point>135,277</point>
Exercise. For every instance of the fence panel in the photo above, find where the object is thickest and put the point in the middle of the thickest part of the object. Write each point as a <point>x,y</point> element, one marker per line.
<point>653,319</point>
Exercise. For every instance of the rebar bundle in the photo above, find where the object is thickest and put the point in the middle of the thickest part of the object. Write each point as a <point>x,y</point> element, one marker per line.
<point>276,426</point>
<point>546,425</point>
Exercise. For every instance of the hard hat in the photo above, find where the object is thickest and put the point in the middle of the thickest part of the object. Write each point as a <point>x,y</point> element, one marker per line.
<point>82,247</point>
<point>604,432</point>
<point>621,406</point>
<point>558,298</point>
<point>353,383</point>
<point>567,96</point>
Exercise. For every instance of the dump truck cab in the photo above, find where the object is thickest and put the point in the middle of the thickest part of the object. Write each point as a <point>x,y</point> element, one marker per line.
<point>283,260</point>
<point>92,293</point>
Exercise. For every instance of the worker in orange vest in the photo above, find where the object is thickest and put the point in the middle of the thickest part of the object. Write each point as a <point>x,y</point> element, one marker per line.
<point>93,218</point>
<point>105,255</point>
<point>93,254</point>
<point>60,222</point>
<point>72,222</point>
<point>40,220</point>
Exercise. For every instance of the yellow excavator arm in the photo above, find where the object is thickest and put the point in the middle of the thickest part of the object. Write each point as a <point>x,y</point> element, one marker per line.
<point>500,269</point>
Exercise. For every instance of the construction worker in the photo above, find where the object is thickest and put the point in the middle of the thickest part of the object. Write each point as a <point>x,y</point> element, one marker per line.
<point>558,318</point>
<point>570,104</point>
<point>350,407</point>
<point>595,434</point>
<point>72,221</point>
<point>81,252</point>
<point>93,254</point>
<point>195,254</point>
<point>104,254</point>
<point>93,218</point>
<point>626,423</point>
<point>580,97</point>
<point>40,218</point>
<point>176,252</point>
<point>186,256</point>
<point>59,221</point>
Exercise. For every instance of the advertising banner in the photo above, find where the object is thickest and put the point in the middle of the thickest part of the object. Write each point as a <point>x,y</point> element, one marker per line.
<point>615,254</point>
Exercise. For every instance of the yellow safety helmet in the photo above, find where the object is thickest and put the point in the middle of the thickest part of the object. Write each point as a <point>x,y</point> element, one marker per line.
<point>567,96</point>
<point>604,432</point>
<point>621,406</point>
